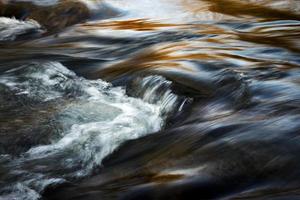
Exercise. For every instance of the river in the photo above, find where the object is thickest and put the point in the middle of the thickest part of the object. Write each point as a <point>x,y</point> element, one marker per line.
<point>149,99</point>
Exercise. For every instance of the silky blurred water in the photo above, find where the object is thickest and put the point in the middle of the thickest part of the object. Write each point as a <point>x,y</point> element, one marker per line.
<point>150,99</point>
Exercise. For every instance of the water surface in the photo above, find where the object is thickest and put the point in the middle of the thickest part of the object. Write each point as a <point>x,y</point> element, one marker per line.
<point>151,99</point>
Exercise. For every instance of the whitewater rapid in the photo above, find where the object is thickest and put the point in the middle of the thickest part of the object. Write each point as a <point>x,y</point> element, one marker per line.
<point>95,119</point>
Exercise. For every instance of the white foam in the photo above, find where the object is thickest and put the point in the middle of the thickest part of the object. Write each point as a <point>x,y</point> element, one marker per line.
<point>101,118</point>
<point>22,192</point>
<point>11,28</point>
<point>156,89</point>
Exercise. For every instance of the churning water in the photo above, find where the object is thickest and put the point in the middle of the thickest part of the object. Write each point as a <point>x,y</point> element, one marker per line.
<point>95,119</point>
<point>149,99</point>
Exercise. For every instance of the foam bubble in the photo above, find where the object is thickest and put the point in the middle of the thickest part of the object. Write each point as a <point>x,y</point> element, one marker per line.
<point>11,28</point>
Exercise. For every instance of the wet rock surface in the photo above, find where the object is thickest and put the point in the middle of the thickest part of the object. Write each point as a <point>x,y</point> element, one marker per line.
<point>52,17</point>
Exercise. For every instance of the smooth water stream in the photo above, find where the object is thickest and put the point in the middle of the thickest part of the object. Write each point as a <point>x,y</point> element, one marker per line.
<point>149,99</point>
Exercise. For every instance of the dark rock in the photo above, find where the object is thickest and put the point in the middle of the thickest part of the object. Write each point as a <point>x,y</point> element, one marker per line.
<point>52,17</point>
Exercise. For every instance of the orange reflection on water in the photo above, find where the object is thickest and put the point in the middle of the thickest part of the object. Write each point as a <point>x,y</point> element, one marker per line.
<point>260,10</point>
<point>134,24</point>
<point>149,59</point>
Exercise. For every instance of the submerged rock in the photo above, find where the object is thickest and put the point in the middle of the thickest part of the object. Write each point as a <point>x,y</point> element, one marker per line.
<point>52,17</point>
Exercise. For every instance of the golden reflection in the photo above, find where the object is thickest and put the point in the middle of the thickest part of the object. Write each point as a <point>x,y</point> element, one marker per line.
<point>164,58</point>
<point>146,60</point>
<point>165,178</point>
<point>136,24</point>
<point>270,40</point>
<point>287,36</point>
<point>284,36</point>
<point>239,8</point>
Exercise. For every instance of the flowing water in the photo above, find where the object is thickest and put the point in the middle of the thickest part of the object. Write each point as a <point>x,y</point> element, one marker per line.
<point>149,99</point>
